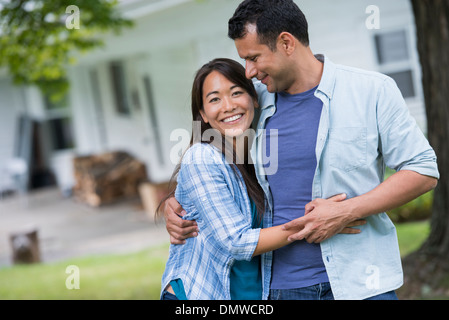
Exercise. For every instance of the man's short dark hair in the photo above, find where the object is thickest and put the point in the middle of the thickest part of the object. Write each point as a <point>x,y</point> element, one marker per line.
<point>271,17</point>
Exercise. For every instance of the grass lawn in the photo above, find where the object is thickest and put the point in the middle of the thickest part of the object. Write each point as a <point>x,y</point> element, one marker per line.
<point>411,235</point>
<point>131,276</point>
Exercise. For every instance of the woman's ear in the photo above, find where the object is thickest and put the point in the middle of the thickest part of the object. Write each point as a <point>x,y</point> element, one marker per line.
<point>203,115</point>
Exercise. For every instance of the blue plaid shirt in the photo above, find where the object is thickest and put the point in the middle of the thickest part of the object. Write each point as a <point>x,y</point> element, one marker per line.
<point>212,194</point>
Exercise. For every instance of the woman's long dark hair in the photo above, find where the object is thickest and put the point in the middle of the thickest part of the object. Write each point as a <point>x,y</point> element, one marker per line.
<point>235,73</point>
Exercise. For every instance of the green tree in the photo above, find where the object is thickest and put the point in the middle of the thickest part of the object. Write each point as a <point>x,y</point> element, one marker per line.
<point>39,38</point>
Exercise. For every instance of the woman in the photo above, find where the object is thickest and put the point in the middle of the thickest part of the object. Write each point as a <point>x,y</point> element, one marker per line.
<point>218,188</point>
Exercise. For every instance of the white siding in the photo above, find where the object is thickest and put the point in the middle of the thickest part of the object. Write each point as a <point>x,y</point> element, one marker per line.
<point>171,44</point>
<point>11,107</point>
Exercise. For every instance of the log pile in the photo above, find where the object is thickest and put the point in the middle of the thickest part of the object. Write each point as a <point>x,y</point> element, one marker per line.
<point>152,194</point>
<point>106,178</point>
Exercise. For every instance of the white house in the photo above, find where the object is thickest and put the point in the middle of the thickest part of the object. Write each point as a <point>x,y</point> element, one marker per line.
<point>134,93</point>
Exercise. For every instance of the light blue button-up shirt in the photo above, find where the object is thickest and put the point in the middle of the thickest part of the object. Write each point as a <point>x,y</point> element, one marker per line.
<point>365,125</point>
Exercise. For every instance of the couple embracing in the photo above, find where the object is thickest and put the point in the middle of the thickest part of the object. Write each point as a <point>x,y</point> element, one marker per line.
<point>315,228</point>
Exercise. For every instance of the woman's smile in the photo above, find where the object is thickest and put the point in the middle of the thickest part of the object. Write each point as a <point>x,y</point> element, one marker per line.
<point>233,119</point>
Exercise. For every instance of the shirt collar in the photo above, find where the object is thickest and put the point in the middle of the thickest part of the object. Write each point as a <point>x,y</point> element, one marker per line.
<point>327,83</point>
<point>266,99</point>
<point>326,86</point>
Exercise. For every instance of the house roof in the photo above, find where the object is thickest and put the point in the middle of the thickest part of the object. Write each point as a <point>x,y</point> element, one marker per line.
<point>133,9</point>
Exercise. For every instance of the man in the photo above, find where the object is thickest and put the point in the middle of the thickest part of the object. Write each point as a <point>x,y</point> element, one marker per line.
<point>338,128</point>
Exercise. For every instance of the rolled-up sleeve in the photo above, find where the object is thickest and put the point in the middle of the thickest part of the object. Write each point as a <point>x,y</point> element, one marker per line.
<point>204,183</point>
<point>402,143</point>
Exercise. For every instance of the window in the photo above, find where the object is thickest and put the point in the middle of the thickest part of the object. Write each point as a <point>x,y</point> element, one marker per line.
<point>394,59</point>
<point>61,133</point>
<point>392,47</point>
<point>119,88</point>
<point>404,79</point>
<point>59,123</point>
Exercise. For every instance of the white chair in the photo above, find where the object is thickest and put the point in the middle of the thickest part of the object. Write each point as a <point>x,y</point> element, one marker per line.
<point>14,177</point>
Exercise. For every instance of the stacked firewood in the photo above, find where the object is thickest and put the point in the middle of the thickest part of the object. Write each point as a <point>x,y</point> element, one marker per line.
<point>152,194</point>
<point>106,178</point>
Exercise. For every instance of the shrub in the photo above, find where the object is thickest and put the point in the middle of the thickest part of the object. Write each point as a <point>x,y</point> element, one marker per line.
<point>418,209</point>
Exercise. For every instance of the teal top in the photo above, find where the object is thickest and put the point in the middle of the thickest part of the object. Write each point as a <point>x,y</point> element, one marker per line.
<point>245,276</point>
<point>178,289</point>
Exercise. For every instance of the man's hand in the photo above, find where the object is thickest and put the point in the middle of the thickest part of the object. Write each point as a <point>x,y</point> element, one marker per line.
<point>322,220</point>
<point>177,228</point>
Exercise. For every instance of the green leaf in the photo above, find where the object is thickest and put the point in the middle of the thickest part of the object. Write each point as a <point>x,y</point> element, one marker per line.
<point>36,46</point>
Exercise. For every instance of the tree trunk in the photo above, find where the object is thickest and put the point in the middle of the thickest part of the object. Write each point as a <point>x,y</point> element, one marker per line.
<point>432,25</point>
<point>426,270</point>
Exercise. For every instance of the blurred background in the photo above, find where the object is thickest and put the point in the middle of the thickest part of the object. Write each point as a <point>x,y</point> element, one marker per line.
<point>89,98</point>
